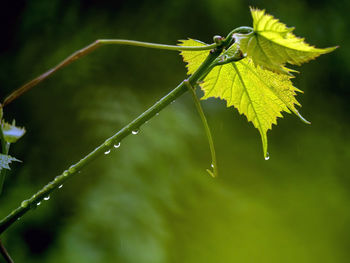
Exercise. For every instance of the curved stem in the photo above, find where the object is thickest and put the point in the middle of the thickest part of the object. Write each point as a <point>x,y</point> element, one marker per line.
<point>155,45</point>
<point>26,205</point>
<point>240,30</point>
<point>88,49</point>
<point>207,130</point>
<point>5,254</point>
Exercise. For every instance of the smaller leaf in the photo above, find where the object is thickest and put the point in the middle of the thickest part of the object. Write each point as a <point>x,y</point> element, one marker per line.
<point>5,161</point>
<point>272,44</point>
<point>12,133</point>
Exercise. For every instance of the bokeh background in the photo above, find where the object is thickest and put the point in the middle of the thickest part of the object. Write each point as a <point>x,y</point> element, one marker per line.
<point>152,200</point>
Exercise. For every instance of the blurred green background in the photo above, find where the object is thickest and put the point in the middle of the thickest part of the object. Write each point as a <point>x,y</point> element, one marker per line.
<point>152,200</point>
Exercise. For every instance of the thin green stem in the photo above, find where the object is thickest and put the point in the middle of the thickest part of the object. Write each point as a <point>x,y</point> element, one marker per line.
<point>238,30</point>
<point>154,45</point>
<point>207,130</point>
<point>88,49</point>
<point>4,147</point>
<point>32,202</point>
<point>5,254</point>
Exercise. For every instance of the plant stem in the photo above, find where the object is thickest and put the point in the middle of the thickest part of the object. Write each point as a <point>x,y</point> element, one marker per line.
<point>5,147</point>
<point>26,205</point>
<point>207,131</point>
<point>5,254</point>
<point>88,49</point>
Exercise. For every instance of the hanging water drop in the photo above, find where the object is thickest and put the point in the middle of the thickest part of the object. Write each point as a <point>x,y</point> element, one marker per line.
<point>212,165</point>
<point>135,132</point>
<point>108,142</point>
<point>25,204</point>
<point>107,152</point>
<point>267,156</point>
<point>38,203</point>
<point>116,145</point>
<point>47,198</point>
<point>60,186</point>
<point>72,169</point>
<point>157,114</point>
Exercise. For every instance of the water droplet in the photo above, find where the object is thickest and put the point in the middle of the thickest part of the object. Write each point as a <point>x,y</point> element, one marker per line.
<point>38,203</point>
<point>117,145</point>
<point>18,218</point>
<point>212,165</point>
<point>108,142</point>
<point>107,152</point>
<point>157,114</point>
<point>267,156</point>
<point>24,204</point>
<point>72,169</point>
<point>60,186</point>
<point>47,198</point>
<point>135,132</point>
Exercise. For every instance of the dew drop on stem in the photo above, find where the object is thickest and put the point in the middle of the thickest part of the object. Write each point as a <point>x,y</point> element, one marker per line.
<point>107,152</point>
<point>267,156</point>
<point>135,132</point>
<point>116,145</point>
<point>60,186</point>
<point>47,198</point>
<point>38,203</point>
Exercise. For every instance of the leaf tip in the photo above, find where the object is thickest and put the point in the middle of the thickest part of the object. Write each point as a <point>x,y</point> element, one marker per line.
<point>301,117</point>
<point>331,49</point>
<point>211,173</point>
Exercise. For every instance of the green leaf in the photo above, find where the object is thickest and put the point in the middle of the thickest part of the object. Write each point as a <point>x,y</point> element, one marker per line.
<point>5,160</point>
<point>272,44</point>
<point>12,133</point>
<point>259,94</point>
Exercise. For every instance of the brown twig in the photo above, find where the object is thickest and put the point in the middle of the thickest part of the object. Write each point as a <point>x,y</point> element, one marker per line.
<point>88,49</point>
<point>5,254</point>
<point>78,54</point>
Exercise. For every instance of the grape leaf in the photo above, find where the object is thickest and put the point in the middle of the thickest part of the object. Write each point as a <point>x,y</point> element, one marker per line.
<point>272,44</point>
<point>261,95</point>
<point>5,160</point>
<point>12,133</point>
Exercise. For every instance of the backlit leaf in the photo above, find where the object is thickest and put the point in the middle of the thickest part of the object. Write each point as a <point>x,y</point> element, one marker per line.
<point>272,44</point>
<point>259,94</point>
